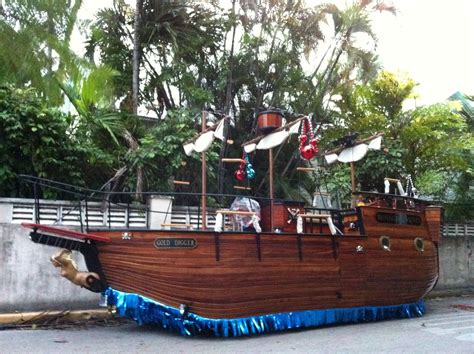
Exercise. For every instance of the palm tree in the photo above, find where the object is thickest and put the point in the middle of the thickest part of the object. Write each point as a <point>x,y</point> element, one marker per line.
<point>36,37</point>
<point>136,54</point>
<point>39,55</point>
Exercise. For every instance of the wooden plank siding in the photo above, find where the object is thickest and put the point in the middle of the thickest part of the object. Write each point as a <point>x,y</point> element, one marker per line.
<point>323,272</point>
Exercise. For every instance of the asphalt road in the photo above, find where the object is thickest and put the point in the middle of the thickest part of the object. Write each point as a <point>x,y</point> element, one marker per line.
<point>448,327</point>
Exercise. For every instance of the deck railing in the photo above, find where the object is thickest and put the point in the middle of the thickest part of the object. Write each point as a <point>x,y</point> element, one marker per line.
<point>66,213</point>
<point>99,209</point>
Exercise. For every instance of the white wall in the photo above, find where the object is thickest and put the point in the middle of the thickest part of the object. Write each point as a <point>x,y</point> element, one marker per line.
<point>28,280</point>
<point>456,263</point>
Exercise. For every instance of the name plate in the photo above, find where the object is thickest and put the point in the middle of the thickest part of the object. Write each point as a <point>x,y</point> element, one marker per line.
<point>175,243</point>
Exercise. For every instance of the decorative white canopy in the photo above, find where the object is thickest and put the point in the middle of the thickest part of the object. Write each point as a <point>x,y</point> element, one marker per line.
<point>205,140</point>
<point>355,153</point>
<point>219,132</point>
<point>295,128</point>
<point>272,140</point>
<point>250,148</point>
<point>188,148</point>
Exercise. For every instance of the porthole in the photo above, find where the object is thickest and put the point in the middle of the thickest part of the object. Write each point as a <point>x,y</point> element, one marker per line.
<point>385,244</point>
<point>419,244</point>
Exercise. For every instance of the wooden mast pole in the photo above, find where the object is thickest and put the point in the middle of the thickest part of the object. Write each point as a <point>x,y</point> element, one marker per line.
<point>203,176</point>
<point>270,172</point>
<point>353,183</point>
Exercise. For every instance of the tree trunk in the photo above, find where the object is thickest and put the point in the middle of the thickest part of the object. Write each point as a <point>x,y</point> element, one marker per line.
<point>136,88</point>
<point>227,107</point>
<point>136,55</point>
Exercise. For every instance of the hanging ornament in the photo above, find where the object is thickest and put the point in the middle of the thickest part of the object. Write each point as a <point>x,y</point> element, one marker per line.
<point>241,172</point>
<point>307,151</point>
<point>245,169</point>
<point>239,175</point>
<point>249,169</point>
<point>250,172</point>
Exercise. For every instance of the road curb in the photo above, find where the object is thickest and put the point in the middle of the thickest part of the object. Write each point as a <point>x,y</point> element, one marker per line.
<point>19,318</point>
<point>454,292</point>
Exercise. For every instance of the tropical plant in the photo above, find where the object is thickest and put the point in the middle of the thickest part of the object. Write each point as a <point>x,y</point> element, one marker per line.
<point>36,36</point>
<point>190,55</point>
<point>430,143</point>
<point>37,140</point>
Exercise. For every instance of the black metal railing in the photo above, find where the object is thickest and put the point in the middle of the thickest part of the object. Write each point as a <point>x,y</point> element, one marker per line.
<point>84,196</point>
<point>109,200</point>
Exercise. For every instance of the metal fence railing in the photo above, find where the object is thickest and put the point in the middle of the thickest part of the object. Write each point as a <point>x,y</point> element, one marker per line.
<point>458,230</point>
<point>73,214</point>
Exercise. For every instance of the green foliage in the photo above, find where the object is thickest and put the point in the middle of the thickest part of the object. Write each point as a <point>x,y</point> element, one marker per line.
<point>367,109</point>
<point>35,36</point>
<point>162,156</point>
<point>461,207</point>
<point>277,54</point>
<point>35,140</point>
<point>380,164</point>
<point>444,144</point>
<point>434,183</point>
<point>337,181</point>
<point>437,140</point>
<point>375,107</point>
<point>433,143</point>
<point>238,60</point>
<point>109,35</point>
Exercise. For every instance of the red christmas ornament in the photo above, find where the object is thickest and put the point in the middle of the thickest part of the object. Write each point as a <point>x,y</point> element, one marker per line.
<point>239,175</point>
<point>307,151</point>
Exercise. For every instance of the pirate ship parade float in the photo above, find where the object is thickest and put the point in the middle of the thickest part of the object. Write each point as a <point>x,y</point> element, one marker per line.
<point>260,265</point>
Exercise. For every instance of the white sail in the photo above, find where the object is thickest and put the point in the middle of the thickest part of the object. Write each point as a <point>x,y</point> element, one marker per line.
<point>375,144</point>
<point>188,148</point>
<point>250,148</point>
<point>353,154</point>
<point>331,158</point>
<point>272,140</point>
<point>219,132</point>
<point>295,128</point>
<point>204,141</point>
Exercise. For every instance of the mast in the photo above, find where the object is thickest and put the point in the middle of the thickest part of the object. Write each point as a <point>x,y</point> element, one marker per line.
<point>352,151</point>
<point>203,175</point>
<point>251,145</point>
<point>200,143</point>
<point>270,173</point>
<point>353,184</point>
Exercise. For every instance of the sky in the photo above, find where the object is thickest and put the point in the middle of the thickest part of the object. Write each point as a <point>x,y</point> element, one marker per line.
<point>431,41</point>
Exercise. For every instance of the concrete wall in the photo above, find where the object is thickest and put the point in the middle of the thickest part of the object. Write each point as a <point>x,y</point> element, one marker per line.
<point>456,263</point>
<point>29,282</point>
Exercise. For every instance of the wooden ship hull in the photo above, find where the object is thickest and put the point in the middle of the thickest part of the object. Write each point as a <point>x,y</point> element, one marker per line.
<point>381,265</point>
<point>238,274</point>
